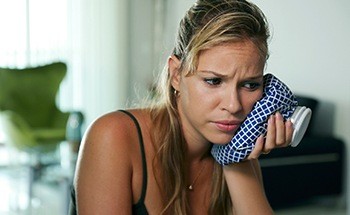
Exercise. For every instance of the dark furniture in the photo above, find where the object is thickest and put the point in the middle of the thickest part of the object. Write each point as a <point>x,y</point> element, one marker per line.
<point>312,169</point>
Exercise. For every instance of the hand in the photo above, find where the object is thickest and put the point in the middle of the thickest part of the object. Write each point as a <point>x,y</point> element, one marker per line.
<point>279,134</point>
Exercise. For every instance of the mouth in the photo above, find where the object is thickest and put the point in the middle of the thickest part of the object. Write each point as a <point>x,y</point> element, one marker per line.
<point>227,126</point>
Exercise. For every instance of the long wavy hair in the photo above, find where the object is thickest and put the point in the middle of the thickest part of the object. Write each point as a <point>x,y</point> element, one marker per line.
<point>206,24</point>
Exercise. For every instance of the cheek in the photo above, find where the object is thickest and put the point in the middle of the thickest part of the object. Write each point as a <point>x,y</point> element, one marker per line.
<point>197,97</point>
<point>197,100</point>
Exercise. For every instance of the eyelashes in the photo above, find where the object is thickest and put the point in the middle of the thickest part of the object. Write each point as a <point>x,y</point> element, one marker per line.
<point>249,85</point>
<point>252,85</point>
<point>213,81</point>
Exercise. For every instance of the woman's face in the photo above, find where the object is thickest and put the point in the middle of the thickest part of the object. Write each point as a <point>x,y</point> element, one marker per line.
<point>215,100</point>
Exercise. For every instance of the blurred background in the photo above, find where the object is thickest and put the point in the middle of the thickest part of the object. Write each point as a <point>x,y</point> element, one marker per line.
<point>113,49</point>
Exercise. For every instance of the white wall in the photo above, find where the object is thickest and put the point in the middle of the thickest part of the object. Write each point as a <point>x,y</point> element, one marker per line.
<point>98,77</point>
<point>141,44</point>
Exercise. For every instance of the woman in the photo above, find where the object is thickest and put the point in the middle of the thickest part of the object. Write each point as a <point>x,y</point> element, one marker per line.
<point>211,82</point>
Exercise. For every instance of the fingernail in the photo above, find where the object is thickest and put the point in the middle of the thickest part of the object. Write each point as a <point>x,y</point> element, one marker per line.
<point>289,123</point>
<point>279,115</point>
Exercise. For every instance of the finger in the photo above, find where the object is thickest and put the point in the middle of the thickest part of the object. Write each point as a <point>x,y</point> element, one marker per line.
<point>259,145</point>
<point>289,131</point>
<point>271,135</point>
<point>280,130</point>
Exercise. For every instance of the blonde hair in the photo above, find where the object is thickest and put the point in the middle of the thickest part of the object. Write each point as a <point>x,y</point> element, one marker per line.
<point>206,24</point>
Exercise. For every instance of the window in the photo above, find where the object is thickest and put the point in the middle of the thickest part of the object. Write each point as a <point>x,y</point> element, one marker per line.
<point>33,32</point>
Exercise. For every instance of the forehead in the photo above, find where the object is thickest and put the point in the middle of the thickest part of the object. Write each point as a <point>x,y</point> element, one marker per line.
<point>239,47</point>
<point>243,53</point>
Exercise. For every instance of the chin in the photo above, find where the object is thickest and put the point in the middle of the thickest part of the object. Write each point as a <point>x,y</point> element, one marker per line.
<point>222,141</point>
<point>219,138</point>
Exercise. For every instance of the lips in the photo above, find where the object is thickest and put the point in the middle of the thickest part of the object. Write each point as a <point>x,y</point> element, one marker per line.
<point>227,126</point>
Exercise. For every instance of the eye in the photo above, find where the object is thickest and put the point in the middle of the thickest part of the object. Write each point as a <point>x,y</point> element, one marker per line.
<point>213,81</point>
<point>251,85</point>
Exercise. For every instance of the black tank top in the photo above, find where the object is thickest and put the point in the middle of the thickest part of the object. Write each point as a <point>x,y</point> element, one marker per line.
<point>139,208</point>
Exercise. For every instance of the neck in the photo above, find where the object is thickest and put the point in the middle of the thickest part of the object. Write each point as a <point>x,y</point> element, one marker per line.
<point>198,152</point>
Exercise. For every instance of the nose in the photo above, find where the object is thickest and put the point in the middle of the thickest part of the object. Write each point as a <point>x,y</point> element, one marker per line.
<point>232,101</point>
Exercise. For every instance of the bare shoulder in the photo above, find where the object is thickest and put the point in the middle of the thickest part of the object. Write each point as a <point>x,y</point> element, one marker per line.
<point>106,164</point>
<point>110,126</point>
<point>113,132</point>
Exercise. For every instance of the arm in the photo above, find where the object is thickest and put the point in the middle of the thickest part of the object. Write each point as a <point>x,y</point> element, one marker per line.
<point>103,174</point>
<point>246,189</point>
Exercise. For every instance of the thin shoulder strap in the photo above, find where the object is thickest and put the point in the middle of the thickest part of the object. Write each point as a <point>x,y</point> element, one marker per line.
<point>144,165</point>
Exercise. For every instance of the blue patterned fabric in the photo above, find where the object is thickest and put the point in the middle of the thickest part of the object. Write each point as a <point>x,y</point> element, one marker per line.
<point>276,97</point>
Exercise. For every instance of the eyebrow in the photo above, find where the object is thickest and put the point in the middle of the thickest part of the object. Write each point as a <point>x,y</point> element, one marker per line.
<point>223,76</point>
<point>212,72</point>
<point>255,77</point>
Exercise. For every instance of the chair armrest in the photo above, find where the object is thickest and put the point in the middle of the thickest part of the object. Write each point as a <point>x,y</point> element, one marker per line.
<point>51,135</point>
<point>17,131</point>
<point>60,119</point>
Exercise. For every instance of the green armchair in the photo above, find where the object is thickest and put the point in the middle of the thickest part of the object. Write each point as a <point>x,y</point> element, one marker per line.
<point>29,117</point>
<point>31,122</point>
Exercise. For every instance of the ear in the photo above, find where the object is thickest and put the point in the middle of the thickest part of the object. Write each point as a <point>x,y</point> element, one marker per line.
<point>175,76</point>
